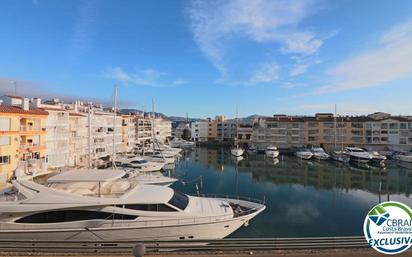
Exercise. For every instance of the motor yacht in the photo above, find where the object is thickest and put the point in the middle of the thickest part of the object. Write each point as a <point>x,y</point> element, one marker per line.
<point>403,156</point>
<point>235,151</point>
<point>377,158</point>
<point>319,153</point>
<point>357,154</point>
<point>304,154</point>
<point>138,163</point>
<point>118,210</point>
<point>272,151</point>
<point>340,156</point>
<point>252,150</point>
<point>181,143</point>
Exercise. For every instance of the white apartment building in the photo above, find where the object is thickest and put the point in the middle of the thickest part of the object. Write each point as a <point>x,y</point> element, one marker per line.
<point>78,140</point>
<point>200,131</point>
<point>283,132</point>
<point>57,137</point>
<point>102,134</point>
<point>162,129</point>
<point>394,133</point>
<point>128,133</point>
<point>143,130</point>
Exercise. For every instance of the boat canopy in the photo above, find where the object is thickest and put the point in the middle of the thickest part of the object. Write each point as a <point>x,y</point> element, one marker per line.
<point>87,175</point>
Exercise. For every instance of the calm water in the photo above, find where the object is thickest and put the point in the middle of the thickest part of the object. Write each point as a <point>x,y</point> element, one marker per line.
<point>303,198</point>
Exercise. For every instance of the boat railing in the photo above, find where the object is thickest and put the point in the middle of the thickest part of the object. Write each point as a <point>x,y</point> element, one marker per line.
<point>110,222</point>
<point>235,197</point>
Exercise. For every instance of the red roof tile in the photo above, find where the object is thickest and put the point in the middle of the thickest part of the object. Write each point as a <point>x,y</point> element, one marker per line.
<point>14,96</point>
<point>19,110</point>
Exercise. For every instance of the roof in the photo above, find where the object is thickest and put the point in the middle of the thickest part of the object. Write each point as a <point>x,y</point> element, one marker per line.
<point>52,109</point>
<point>14,96</point>
<point>19,110</point>
<point>76,114</point>
<point>87,175</point>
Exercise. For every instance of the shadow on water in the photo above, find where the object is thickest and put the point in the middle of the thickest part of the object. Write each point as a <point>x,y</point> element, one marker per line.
<point>303,198</point>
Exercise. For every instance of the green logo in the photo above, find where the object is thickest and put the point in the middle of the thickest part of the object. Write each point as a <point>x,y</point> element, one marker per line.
<point>378,215</point>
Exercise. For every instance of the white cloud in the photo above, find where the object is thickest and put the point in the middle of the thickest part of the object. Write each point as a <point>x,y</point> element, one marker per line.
<point>265,74</point>
<point>145,77</point>
<point>390,62</point>
<point>290,85</point>
<point>84,28</point>
<point>262,21</point>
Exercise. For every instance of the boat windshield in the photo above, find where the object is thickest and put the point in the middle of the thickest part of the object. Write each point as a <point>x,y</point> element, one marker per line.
<point>179,200</point>
<point>139,161</point>
<point>109,189</point>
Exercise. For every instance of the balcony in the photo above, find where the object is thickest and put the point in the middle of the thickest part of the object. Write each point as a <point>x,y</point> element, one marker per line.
<point>31,147</point>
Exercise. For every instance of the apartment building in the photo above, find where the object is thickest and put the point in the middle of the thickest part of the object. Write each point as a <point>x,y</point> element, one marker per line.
<point>281,130</point>
<point>200,130</point>
<point>143,129</point>
<point>244,134</point>
<point>22,136</point>
<point>58,133</point>
<point>162,129</point>
<point>128,133</point>
<point>377,131</point>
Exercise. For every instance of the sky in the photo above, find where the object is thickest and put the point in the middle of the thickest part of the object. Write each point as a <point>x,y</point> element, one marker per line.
<point>207,58</point>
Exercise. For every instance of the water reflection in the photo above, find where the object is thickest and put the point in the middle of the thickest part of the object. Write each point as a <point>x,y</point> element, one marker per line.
<point>304,198</point>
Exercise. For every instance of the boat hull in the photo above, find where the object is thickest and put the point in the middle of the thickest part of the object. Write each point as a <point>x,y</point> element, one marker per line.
<point>272,154</point>
<point>129,231</point>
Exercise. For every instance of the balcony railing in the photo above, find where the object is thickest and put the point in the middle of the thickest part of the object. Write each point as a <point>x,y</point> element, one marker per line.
<point>31,128</point>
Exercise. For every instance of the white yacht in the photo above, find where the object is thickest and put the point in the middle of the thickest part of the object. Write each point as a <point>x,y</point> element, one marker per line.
<point>77,178</point>
<point>404,156</point>
<point>357,154</point>
<point>319,153</point>
<point>160,158</point>
<point>340,156</point>
<point>118,210</point>
<point>138,163</point>
<point>252,150</point>
<point>237,151</point>
<point>377,158</point>
<point>272,151</point>
<point>181,143</point>
<point>304,154</point>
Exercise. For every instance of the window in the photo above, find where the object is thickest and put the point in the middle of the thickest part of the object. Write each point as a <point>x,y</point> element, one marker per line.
<point>72,215</point>
<point>4,140</point>
<point>5,159</point>
<point>4,124</point>
<point>149,207</point>
<point>179,200</point>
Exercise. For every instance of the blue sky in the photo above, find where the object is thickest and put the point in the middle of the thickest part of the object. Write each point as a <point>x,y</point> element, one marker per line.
<point>207,57</point>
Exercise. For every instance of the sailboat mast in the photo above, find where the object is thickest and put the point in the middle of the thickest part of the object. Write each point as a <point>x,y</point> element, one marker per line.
<point>237,126</point>
<point>89,135</point>
<point>114,122</point>
<point>334,128</point>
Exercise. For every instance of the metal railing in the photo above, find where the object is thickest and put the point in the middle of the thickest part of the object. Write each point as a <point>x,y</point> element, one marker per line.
<point>229,244</point>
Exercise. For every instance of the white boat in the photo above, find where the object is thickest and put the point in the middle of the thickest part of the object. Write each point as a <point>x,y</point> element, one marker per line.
<point>319,153</point>
<point>181,143</point>
<point>272,151</point>
<point>252,150</point>
<point>357,154</point>
<point>340,156</point>
<point>304,154</point>
<point>118,210</point>
<point>160,159</point>
<point>377,158</point>
<point>139,163</point>
<point>71,178</point>
<point>403,156</point>
<point>237,151</point>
